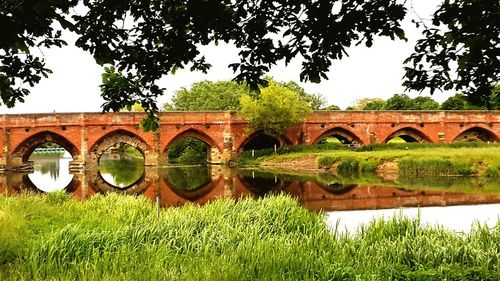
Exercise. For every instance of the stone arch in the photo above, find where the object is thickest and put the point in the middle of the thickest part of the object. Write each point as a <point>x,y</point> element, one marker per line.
<point>409,135</point>
<point>194,133</point>
<point>122,136</point>
<point>194,194</point>
<point>476,134</point>
<point>25,148</point>
<point>337,188</point>
<point>70,188</point>
<point>345,136</point>
<point>99,184</point>
<point>258,134</point>
<point>215,150</point>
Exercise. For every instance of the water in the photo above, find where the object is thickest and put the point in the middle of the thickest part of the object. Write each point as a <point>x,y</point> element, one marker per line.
<point>348,199</point>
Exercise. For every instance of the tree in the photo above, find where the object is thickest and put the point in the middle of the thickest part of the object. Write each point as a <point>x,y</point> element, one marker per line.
<point>361,104</point>
<point>208,95</point>
<point>24,27</point>
<point>460,102</point>
<point>225,95</point>
<point>140,41</point>
<point>277,109</point>
<point>331,107</point>
<point>399,102</point>
<point>456,102</point>
<point>465,33</point>
<point>424,103</point>
<point>375,105</point>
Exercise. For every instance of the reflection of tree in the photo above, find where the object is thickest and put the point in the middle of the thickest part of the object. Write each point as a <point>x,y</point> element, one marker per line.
<point>188,178</point>
<point>122,151</point>
<point>188,150</point>
<point>124,171</point>
<point>47,163</point>
<point>260,182</point>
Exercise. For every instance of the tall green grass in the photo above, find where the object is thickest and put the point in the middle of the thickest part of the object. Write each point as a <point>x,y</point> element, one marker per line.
<point>434,166</point>
<point>121,238</point>
<point>246,156</point>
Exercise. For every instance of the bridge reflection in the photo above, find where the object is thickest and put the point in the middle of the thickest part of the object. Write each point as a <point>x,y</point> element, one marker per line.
<point>159,186</point>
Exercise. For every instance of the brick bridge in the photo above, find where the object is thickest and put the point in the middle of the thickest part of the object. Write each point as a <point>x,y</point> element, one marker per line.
<point>87,135</point>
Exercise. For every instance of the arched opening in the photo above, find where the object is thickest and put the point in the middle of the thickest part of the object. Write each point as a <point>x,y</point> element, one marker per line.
<point>50,167</point>
<point>476,134</point>
<point>407,135</point>
<point>121,165</point>
<point>26,148</point>
<point>188,150</point>
<point>261,183</point>
<point>189,182</point>
<point>121,136</point>
<point>340,136</point>
<point>193,147</point>
<point>260,140</point>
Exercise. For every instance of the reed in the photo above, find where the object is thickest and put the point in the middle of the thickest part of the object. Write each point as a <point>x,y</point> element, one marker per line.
<point>117,237</point>
<point>434,166</point>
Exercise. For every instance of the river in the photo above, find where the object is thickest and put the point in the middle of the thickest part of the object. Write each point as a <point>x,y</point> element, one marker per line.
<point>347,200</point>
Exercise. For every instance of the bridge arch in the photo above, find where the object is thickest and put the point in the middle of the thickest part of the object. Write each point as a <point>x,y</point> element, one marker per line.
<point>343,135</point>
<point>260,140</point>
<point>26,147</point>
<point>69,188</point>
<point>121,136</point>
<point>408,134</point>
<point>476,134</point>
<point>214,149</point>
<point>194,133</point>
<point>99,184</point>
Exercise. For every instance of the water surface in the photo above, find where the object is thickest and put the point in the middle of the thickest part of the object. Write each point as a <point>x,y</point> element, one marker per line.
<point>353,197</point>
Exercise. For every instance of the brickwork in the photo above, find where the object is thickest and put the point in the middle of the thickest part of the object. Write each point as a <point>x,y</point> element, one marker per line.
<point>87,135</point>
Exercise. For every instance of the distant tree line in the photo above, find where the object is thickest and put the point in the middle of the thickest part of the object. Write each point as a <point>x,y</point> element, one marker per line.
<point>403,102</point>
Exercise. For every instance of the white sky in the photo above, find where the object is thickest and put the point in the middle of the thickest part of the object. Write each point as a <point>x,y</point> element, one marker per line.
<point>367,72</point>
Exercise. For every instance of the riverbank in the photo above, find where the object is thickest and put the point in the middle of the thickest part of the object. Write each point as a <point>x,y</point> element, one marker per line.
<point>406,160</point>
<point>117,237</point>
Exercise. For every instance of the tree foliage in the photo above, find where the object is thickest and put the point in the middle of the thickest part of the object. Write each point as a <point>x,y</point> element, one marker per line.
<point>396,102</point>
<point>145,40</point>
<point>26,26</point>
<point>361,104</point>
<point>208,95</point>
<point>277,109</point>
<point>226,95</point>
<point>465,33</point>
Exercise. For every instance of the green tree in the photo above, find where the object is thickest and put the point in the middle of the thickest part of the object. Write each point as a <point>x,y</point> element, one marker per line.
<point>375,105</point>
<point>399,102</point>
<point>459,51</point>
<point>315,101</point>
<point>331,107</point>
<point>424,103</point>
<point>208,95</point>
<point>188,151</point>
<point>456,102</point>
<point>361,104</point>
<point>276,110</point>
<point>225,95</point>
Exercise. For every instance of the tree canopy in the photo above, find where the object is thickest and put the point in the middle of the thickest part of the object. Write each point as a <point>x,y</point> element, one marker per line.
<point>226,95</point>
<point>276,109</point>
<point>141,41</point>
<point>396,102</point>
<point>460,50</point>
<point>138,42</point>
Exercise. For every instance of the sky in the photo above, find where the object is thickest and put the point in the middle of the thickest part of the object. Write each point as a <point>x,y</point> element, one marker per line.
<point>367,72</point>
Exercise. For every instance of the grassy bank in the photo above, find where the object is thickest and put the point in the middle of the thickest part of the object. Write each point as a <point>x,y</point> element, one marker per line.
<point>472,185</point>
<point>122,238</point>
<point>407,159</point>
